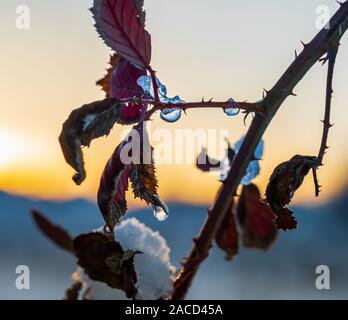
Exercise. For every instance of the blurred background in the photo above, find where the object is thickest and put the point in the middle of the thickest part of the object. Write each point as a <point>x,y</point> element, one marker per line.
<point>222,49</point>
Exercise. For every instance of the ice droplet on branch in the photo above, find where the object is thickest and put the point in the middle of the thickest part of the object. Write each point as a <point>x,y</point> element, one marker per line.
<point>145,82</point>
<point>171,115</point>
<point>230,110</point>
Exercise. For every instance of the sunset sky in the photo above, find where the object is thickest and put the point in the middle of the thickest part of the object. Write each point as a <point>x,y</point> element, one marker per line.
<point>220,49</point>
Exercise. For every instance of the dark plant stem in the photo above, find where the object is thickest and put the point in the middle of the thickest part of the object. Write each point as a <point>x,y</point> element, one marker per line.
<point>331,57</point>
<point>154,84</point>
<point>246,106</point>
<point>327,38</point>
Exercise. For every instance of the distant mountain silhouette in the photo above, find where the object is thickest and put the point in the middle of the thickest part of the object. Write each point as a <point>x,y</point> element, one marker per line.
<point>286,271</point>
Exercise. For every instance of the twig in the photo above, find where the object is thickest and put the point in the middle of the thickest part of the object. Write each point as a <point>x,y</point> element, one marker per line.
<point>311,54</point>
<point>331,57</point>
<point>246,106</point>
<point>332,54</point>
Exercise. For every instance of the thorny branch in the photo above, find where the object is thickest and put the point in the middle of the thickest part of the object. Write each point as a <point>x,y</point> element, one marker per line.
<point>246,106</point>
<point>331,57</point>
<point>327,38</point>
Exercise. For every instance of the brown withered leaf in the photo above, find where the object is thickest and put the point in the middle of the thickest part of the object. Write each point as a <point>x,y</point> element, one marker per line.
<point>227,237</point>
<point>143,175</point>
<point>55,233</point>
<point>104,260</point>
<point>256,219</point>
<point>106,82</point>
<point>285,219</point>
<point>285,180</point>
<point>89,122</point>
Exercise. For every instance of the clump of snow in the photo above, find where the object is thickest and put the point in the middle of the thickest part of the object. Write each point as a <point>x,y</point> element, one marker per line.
<point>153,268</point>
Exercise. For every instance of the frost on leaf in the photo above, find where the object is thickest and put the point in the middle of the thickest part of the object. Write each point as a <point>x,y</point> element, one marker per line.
<point>112,189</point>
<point>104,260</point>
<point>227,237</point>
<point>55,233</point>
<point>89,122</point>
<point>256,219</point>
<point>121,24</point>
<point>284,181</point>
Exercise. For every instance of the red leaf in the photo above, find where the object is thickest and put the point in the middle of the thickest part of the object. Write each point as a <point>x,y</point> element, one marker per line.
<point>124,85</point>
<point>120,24</point>
<point>55,233</point>
<point>227,235</point>
<point>256,219</point>
<point>121,82</point>
<point>112,189</point>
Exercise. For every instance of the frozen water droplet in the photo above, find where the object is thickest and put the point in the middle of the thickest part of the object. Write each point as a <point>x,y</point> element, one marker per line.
<point>230,110</point>
<point>176,99</point>
<point>162,90</point>
<point>253,169</point>
<point>145,82</point>
<point>159,213</point>
<point>259,150</point>
<point>171,115</point>
<point>224,168</point>
<point>252,172</point>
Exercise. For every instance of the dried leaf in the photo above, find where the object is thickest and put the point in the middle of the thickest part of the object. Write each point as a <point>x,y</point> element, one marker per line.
<point>106,82</point>
<point>256,219</point>
<point>143,176</point>
<point>285,180</point>
<point>89,122</point>
<point>55,233</point>
<point>285,219</point>
<point>112,189</point>
<point>227,237</point>
<point>120,23</point>
<point>104,260</point>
